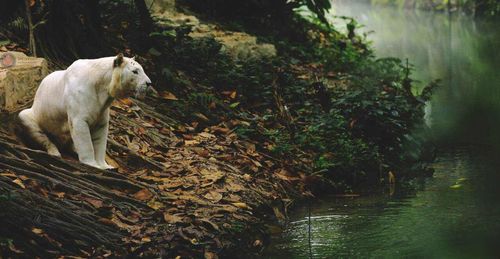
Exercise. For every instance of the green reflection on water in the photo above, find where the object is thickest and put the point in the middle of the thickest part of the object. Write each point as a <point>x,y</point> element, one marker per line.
<point>463,52</point>
<point>435,222</point>
<point>455,214</point>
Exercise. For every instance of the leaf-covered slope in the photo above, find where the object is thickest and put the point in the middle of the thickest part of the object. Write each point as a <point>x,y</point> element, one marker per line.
<point>184,194</point>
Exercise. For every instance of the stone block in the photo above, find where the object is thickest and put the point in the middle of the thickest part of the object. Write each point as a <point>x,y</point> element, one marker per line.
<point>18,83</point>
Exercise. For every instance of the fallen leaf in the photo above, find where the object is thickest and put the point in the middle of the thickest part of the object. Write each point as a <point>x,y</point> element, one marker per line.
<point>210,255</point>
<point>211,176</point>
<point>227,208</point>
<point>233,95</point>
<point>234,187</point>
<point>126,101</point>
<point>279,215</point>
<point>94,202</point>
<point>146,239</point>
<point>181,129</point>
<point>187,136</point>
<point>171,185</point>
<point>171,218</point>
<point>206,135</point>
<point>352,123</point>
<point>256,163</point>
<point>14,249</point>
<point>143,195</point>
<point>36,187</point>
<point>392,177</point>
<point>112,162</point>
<point>117,222</point>
<point>285,175</point>
<point>220,130</point>
<point>201,116</point>
<point>148,125</point>
<point>241,205</point>
<point>201,151</point>
<point>153,178</point>
<point>8,174</point>
<point>106,221</point>
<point>207,221</point>
<point>191,142</point>
<point>156,205</point>
<point>213,196</point>
<point>247,177</point>
<point>250,147</point>
<point>19,182</point>
<point>37,231</point>
<point>257,242</point>
<point>168,96</point>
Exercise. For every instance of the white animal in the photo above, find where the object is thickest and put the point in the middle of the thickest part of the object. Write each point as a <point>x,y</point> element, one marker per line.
<point>73,105</point>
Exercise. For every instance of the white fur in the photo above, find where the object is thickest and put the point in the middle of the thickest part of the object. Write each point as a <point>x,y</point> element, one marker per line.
<point>73,104</point>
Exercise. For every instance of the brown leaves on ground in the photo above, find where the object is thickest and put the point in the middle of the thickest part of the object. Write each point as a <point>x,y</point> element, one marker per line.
<point>168,96</point>
<point>209,178</point>
<point>143,195</point>
<point>188,189</point>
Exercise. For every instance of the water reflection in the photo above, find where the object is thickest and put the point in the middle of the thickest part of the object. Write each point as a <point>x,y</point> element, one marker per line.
<point>457,49</point>
<point>455,214</point>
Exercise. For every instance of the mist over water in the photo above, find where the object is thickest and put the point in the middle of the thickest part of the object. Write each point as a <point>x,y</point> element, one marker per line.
<point>456,213</point>
<point>460,51</point>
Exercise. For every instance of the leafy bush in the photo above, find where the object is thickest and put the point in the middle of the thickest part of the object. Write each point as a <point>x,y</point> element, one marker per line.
<point>326,103</point>
<point>255,9</point>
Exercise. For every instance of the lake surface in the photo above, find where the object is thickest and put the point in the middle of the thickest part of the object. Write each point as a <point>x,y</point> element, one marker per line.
<point>456,213</point>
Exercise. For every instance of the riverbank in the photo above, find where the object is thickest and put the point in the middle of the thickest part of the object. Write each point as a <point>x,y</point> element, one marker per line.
<point>228,141</point>
<point>452,214</point>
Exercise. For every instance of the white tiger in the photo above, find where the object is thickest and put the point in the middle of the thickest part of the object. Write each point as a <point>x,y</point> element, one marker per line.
<point>73,105</point>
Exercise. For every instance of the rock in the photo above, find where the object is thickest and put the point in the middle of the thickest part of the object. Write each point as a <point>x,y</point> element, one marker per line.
<point>161,6</point>
<point>239,45</point>
<point>19,82</point>
<point>165,12</point>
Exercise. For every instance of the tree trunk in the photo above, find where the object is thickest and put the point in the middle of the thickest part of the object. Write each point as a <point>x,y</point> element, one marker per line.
<point>32,44</point>
<point>144,15</point>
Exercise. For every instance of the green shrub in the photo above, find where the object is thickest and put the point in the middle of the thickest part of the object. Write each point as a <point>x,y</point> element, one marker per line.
<point>351,129</point>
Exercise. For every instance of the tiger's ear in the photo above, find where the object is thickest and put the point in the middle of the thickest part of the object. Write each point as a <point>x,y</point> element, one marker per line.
<point>118,60</point>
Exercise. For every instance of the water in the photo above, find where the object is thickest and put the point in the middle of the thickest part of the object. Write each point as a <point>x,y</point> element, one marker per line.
<point>460,51</point>
<point>456,213</point>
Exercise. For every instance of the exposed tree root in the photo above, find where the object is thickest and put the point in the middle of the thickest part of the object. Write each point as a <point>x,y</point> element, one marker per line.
<point>169,197</point>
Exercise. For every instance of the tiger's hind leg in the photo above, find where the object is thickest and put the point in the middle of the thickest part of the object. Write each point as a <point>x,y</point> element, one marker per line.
<point>36,133</point>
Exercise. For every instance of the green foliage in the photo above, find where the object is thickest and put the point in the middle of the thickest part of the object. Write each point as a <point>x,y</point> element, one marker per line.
<point>352,128</point>
<point>317,7</point>
<point>255,9</point>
